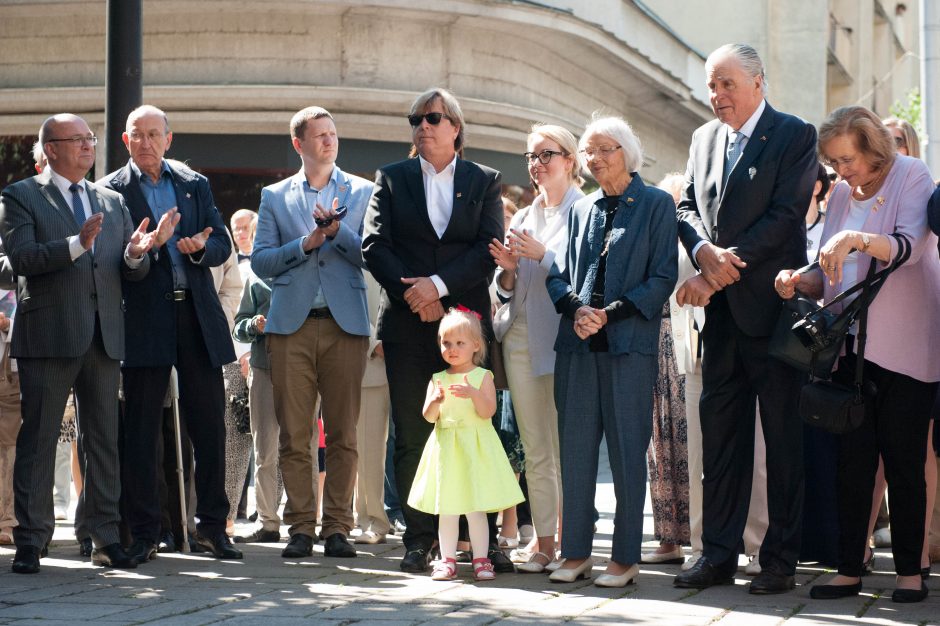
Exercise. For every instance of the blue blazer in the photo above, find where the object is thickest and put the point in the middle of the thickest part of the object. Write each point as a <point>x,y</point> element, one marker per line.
<point>284,220</point>
<point>150,318</point>
<point>642,265</point>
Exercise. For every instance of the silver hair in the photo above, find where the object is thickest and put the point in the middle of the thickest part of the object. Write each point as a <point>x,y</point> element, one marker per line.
<point>38,155</point>
<point>748,58</point>
<point>619,130</point>
<point>146,109</point>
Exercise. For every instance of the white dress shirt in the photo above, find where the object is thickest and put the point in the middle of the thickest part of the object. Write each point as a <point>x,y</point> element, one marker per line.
<point>439,194</point>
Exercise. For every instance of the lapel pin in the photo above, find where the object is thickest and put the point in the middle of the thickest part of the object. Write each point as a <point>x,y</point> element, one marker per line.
<point>188,196</point>
<point>763,137</point>
<point>752,172</point>
<point>629,200</point>
<point>459,194</point>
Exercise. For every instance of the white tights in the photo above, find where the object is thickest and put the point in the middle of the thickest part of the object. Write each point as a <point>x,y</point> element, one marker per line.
<point>447,531</point>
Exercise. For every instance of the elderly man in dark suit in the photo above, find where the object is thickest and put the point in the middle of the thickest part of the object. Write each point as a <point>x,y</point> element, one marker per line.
<point>426,235</point>
<point>69,243</point>
<point>178,306</point>
<point>748,183</point>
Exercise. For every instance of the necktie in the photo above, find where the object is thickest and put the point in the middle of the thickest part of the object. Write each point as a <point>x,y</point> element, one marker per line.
<point>735,147</point>
<point>77,208</point>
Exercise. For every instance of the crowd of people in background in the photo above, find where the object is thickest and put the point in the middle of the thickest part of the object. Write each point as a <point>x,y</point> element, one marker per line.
<point>488,351</point>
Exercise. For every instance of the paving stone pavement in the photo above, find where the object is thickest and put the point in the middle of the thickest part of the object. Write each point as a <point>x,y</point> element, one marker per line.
<point>265,589</point>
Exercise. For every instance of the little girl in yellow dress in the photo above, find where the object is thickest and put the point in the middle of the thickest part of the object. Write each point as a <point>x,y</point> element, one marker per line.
<point>463,470</point>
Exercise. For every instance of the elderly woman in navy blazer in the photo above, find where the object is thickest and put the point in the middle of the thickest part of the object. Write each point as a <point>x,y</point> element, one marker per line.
<point>619,269</point>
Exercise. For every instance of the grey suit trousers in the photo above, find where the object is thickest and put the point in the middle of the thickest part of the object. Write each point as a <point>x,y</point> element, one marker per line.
<point>45,384</point>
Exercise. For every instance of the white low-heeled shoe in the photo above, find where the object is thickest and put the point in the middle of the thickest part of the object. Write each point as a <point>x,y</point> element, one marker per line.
<point>564,575</point>
<point>627,578</point>
<point>532,566</point>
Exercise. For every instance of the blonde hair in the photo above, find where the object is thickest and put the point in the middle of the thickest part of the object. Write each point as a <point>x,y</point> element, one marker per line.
<point>568,144</point>
<point>911,142</point>
<point>465,322</point>
<point>872,138</point>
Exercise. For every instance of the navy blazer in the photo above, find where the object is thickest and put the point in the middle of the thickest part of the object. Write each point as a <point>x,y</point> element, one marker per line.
<point>759,215</point>
<point>642,265</point>
<point>399,241</point>
<point>150,316</point>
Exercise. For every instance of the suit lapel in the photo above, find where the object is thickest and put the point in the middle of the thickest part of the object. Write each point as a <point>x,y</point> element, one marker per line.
<point>461,193</point>
<point>755,144</point>
<point>128,186</point>
<point>415,182</point>
<point>718,150</point>
<point>296,201</point>
<point>51,193</point>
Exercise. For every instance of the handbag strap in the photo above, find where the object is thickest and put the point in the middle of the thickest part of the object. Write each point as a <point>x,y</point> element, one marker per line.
<point>868,295</point>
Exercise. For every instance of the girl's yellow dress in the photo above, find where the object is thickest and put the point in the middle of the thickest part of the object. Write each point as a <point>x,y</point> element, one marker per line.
<point>463,467</point>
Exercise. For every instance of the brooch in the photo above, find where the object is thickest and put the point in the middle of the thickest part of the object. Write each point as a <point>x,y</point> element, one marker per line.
<point>752,172</point>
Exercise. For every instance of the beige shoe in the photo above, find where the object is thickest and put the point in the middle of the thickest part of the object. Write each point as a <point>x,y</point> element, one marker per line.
<point>370,537</point>
<point>566,575</point>
<point>753,566</point>
<point>610,580</point>
<point>690,563</point>
<point>534,565</point>
<point>673,557</point>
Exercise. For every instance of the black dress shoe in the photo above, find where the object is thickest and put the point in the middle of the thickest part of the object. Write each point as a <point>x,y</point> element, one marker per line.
<point>142,551</point>
<point>26,560</point>
<point>834,592</point>
<point>767,583</point>
<point>260,536</point>
<point>112,555</point>
<point>85,547</point>
<point>167,543</point>
<point>906,596</point>
<point>705,574</point>
<point>299,546</point>
<point>416,560</point>
<point>501,562</point>
<point>219,545</point>
<point>337,546</point>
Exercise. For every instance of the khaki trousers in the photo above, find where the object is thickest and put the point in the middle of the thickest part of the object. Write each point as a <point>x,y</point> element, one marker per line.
<point>533,400</point>
<point>320,358</point>
<point>693,393</point>
<point>371,436</point>
<point>264,432</point>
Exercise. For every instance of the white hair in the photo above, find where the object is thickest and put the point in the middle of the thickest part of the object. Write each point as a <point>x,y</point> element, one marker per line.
<point>619,130</point>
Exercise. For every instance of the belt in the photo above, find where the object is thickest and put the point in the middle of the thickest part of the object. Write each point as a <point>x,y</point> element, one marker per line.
<point>320,314</point>
<point>178,295</point>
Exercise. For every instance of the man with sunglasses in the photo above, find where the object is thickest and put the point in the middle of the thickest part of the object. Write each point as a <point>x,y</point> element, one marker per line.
<point>69,242</point>
<point>317,329</point>
<point>426,241</point>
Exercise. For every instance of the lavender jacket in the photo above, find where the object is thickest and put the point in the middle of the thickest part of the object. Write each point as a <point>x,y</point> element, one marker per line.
<point>903,332</point>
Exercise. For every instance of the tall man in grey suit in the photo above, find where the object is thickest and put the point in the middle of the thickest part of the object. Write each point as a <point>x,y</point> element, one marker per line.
<point>69,242</point>
<point>749,180</point>
<point>317,327</point>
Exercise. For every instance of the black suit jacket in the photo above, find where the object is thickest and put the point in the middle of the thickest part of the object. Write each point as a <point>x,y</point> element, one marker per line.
<point>150,316</point>
<point>759,214</point>
<point>399,241</point>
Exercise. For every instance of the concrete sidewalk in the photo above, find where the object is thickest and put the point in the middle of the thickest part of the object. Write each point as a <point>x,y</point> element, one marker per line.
<point>266,589</point>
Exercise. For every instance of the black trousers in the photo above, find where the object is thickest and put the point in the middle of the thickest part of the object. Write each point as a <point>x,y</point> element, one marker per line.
<point>736,371</point>
<point>409,368</point>
<point>202,407</point>
<point>897,430</point>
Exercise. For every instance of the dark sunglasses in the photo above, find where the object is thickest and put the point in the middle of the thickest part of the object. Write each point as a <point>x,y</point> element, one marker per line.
<point>544,156</point>
<point>433,118</point>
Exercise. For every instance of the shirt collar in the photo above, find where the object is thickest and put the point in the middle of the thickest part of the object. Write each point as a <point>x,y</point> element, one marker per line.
<point>747,129</point>
<point>429,169</point>
<point>334,175</point>
<point>164,171</point>
<point>62,183</point>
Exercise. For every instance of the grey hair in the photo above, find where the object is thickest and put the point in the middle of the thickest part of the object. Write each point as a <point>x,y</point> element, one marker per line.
<point>451,109</point>
<point>38,155</point>
<point>748,58</point>
<point>619,130</point>
<point>144,110</point>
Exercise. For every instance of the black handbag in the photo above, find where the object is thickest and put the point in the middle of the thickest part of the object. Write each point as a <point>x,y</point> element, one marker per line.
<point>809,337</point>
<point>837,407</point>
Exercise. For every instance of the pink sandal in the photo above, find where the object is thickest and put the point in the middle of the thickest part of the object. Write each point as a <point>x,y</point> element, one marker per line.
<point>483,569</point>
<point>445,569</point>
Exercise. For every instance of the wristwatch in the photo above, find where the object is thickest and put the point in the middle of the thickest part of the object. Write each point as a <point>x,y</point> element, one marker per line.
<point>866,241</point>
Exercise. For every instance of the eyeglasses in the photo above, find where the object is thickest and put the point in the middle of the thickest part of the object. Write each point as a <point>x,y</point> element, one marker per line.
<point>544,157</point>
<point>77,140</point>
<point>899,142</point>
<point>603,151</point>
<point>433,118</point>
<point>153,136</point>
<point>842,162</point>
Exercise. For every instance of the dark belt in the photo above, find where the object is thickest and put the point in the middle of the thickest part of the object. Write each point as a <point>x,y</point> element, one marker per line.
<point>320,314</point>
<point>178,295</point>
